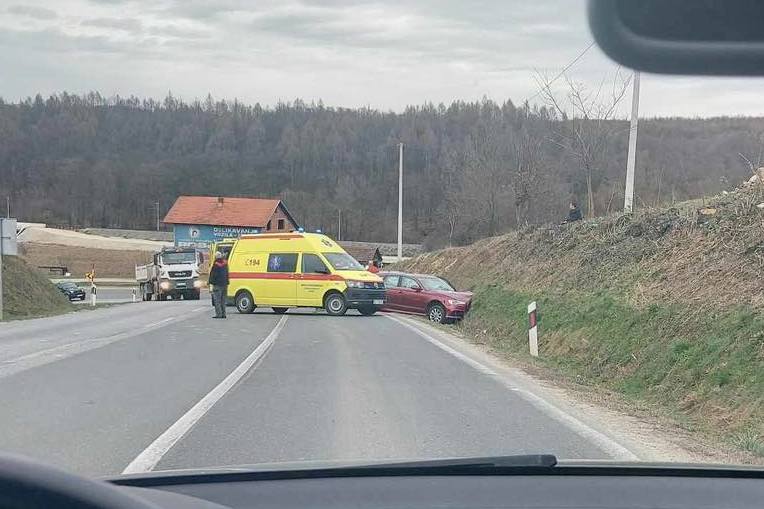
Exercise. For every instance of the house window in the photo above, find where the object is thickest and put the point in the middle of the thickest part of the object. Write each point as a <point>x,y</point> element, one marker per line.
<point>269,226</point>
<point>281,224</point>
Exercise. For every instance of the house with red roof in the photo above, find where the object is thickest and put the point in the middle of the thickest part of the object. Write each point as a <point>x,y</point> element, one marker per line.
<point>198,221</point>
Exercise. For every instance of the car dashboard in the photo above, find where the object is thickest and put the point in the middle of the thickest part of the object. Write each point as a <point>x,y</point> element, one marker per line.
<point>667,488</point>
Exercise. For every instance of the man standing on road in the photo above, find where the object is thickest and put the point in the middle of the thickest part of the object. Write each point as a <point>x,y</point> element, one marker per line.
<point>219,283</point>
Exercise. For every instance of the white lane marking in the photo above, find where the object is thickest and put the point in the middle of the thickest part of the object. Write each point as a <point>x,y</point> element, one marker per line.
<point>607,444</point>
<point>153,454</point>
<point>160,322</point>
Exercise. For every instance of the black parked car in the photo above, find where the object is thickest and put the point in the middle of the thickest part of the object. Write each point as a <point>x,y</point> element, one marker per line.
<point>71,290</point>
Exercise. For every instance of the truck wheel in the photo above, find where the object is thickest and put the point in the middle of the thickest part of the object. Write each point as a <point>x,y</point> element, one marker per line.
<point>368,310</point>
<point>335,304</point>
<point>279,311</point>
<point>245,304</point>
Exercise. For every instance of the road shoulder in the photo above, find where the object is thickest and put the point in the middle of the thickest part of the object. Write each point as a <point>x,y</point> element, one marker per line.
<point>648,437</point>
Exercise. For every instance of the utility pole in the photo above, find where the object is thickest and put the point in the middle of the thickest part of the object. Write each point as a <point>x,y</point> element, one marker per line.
<point>157,204</point>
<point>628,200</point>
<point>400,201</point>
<point>339,224</point>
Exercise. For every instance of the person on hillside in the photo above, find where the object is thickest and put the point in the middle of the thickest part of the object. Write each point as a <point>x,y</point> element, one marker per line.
<point>377,258</point>
<point>373,267</point>
<point>218,281</point>
<point>574,214</point>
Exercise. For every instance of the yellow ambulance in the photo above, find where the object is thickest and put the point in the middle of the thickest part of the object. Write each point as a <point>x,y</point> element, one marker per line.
<point>287,270</point>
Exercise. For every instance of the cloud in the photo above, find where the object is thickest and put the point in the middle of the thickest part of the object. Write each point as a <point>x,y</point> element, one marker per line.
<point>53,40</point>
<point>126,24</point>
<point>382,53</point>
<point>32,12</point>
<point>209,10</point>
<point>178,32</point>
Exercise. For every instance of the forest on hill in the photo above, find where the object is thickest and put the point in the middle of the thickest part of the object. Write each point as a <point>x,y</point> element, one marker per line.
<point>472,169</point>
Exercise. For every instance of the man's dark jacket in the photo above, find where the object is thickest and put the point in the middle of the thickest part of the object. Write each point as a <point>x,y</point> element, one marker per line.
<point>219,273</point>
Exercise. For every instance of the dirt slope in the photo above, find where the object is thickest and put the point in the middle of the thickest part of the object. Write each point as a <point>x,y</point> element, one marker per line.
<point>27,293</point>
<point>666,308</point>
<point>108,262</point>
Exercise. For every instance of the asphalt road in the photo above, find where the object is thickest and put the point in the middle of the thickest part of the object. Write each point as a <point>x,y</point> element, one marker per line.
<point>96,391</point>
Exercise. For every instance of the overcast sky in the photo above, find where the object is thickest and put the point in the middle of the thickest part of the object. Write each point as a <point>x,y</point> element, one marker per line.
<point>385,54</point>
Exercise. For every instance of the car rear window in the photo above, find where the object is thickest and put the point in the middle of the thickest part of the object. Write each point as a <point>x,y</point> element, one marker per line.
<point>391,281</point>
<point>407,282</point>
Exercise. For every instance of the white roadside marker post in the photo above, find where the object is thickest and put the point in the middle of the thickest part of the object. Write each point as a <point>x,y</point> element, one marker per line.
<point>135,295</point>
<point>533,334</point>
<point>93,292</point>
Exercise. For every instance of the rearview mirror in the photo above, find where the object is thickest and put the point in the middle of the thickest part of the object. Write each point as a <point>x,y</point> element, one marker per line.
<point>722,37</point>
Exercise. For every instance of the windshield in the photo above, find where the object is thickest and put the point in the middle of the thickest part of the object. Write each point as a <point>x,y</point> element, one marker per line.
<point>342,261</point>
<point>435,283</point>
<point>604,230</point>
<point>178,258</point>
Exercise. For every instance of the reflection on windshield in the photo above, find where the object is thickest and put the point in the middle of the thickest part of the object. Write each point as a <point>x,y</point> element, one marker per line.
<point>178,258</point>
<point>342,261</point>
<point>435,283</point>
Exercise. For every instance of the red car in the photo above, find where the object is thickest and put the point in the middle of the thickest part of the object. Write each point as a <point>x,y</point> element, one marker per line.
<point>425,295</point>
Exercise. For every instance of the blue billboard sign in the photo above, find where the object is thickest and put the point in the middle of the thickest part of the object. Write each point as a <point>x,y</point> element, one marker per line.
<point>201,236</point>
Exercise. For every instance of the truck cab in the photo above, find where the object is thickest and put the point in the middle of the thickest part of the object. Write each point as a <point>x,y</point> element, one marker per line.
<point>173,273</point>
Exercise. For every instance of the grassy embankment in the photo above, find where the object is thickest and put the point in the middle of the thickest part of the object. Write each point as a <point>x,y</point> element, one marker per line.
<point>666,308</point>
<point>27,293</point>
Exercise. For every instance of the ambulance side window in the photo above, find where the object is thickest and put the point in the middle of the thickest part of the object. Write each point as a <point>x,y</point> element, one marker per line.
<point>282,262</point>
<point>312,264</point>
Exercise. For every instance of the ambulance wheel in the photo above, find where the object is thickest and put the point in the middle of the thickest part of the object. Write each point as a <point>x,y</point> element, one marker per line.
<point>335,304</point>
<point>245,304</point>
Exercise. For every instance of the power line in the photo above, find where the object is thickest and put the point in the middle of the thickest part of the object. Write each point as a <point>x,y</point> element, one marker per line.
<point>564,70</point>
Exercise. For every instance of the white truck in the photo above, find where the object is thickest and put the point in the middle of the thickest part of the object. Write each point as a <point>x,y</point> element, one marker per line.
<point>173,273</point>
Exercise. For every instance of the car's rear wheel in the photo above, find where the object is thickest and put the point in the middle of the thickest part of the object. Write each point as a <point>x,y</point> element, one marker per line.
<point>245,304</point>
<point>436,312</point>
<point>368,310</point>
<point>279,311</point>
<point>335,304</point>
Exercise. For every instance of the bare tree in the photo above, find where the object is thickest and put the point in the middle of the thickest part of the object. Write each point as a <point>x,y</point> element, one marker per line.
<point>526,176</point>
<point>586,124</point>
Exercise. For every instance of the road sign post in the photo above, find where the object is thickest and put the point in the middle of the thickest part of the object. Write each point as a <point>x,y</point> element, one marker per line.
<point>7,248</point>
<point>533,335</point>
